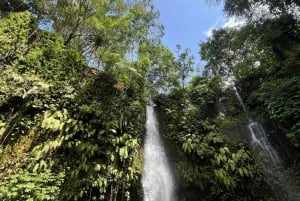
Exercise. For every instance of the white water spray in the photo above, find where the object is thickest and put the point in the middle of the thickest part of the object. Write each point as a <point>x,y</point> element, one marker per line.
<point>157,180</point>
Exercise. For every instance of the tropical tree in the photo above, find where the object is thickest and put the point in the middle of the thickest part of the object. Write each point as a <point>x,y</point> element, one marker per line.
<point>184,64</point>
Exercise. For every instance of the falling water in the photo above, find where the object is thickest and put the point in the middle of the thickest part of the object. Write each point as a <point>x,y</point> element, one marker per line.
<point>283,185</point>
<point>258,134</point>
<point>157,180</point>
<point>240,100</point>
<point>258,137</point>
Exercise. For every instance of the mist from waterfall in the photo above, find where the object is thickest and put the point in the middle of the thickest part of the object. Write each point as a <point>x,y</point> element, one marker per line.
<point>157,179</point>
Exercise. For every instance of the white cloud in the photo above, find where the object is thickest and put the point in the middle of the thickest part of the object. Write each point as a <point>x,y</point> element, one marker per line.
<point>208,33</point>
<point>234,22</point>
<point>260,12</point>
<point>217,24</point>
<point>231,22</point>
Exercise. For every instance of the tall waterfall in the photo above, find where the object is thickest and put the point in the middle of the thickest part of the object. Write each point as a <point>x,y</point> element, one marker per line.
<point>157,180</point>
<point>258,134</point>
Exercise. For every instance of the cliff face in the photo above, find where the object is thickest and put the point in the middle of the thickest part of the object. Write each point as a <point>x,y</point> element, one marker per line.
<point>287,150</point>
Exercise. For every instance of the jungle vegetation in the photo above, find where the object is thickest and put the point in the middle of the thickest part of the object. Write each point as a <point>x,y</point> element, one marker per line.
<point>75,78</point>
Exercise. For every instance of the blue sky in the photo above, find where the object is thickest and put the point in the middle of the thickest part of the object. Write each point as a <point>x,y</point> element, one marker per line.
<point>187,22</point>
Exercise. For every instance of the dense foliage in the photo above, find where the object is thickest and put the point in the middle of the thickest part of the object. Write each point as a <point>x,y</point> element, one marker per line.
<point>76,75</point>
<point>72,99</point>
<point>263,58</point>
<point>209,165</point>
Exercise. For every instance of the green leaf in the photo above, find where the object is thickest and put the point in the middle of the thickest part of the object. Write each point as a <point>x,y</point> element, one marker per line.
<point>123,153</point>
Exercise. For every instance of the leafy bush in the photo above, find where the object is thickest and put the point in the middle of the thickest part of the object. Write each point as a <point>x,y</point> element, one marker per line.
<point>30,186</point>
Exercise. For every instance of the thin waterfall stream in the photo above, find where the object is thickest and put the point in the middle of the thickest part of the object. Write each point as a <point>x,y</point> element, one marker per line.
<point>157,179</point>
<point>258,134</point>
<point>283,185</point>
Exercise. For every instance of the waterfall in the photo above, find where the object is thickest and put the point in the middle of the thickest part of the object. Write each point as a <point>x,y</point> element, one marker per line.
<point>240,99</point>
<point>157,179</point>
<point>259,138</point>
<point>281,180</point>
<point>258,134</point>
